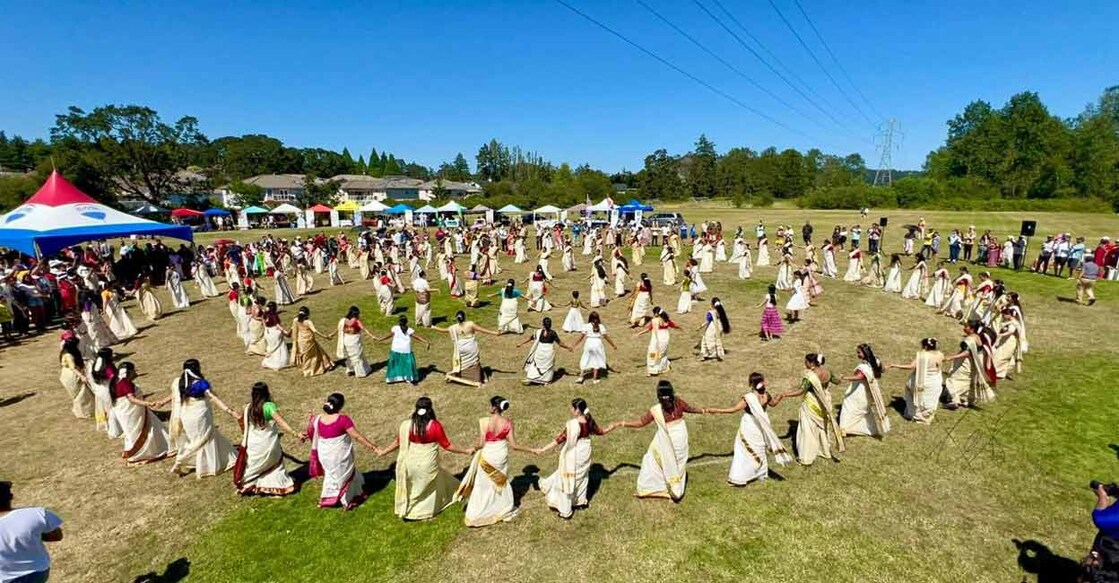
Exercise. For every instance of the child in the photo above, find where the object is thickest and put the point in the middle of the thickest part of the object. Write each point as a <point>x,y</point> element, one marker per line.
<point>684,305</point>
<point>574,321</point>
<point>771,318</point>
<point>332,267</point>
<point>799,301</point>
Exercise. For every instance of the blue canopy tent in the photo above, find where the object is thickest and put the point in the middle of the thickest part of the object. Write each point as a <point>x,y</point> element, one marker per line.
<point>59,215</point>
<point>399,209</point>
<point>635,205</point>
<point>216,213</point>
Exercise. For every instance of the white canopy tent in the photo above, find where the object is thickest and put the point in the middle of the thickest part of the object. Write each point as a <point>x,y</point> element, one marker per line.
<point>426,209</point>
<point>373,207</point>
<point>604,206</point>
<point>451,207</point>
<point>548,210</point>
<point>509,209</point>
<point>286,209</point>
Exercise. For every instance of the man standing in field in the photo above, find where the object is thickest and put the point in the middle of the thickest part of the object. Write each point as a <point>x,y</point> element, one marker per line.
<point>806,233</point>
<point>1087,282</point>
<point>23,556</point>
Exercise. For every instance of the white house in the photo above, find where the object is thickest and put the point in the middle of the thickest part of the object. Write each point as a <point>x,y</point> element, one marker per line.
<point>277,187</point>
<point>452,189</point>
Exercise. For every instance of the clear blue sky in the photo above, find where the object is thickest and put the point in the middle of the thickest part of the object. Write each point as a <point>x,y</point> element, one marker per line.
<point>428,79</point>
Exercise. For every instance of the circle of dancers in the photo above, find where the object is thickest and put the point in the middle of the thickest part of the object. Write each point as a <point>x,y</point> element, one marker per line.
<point>992,345</point>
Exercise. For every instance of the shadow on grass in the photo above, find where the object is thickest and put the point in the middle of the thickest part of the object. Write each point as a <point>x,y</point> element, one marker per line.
<point>599,473</point>
<point>1112,446</point>
<point>529,479</point>
<point>898,404</point>
<point>15,399</point>
<point>177,570</point>
<point>1034,557</point>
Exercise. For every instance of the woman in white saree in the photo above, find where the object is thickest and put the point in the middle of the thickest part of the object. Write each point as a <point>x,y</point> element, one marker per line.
<point>179,297</point>
<point>145,437</point>
<point>925,384</point>
<point>755,436</point>
<point>260,459</point>
<point>854,266</point>
<point>941,287</point>
<point>593,359</point>
<point>332,436</point>
<point>117,318</point>
<point>829,267</point>
<point>73,378</point>
<point>659,330</point>
<point>205,283</point>
<point>715,325</point>
<point>641,302</point>
<point>972,378</point>
<point>277,355</point>
<point>784,273</point>
<point>540,365</point>
<point>566,488</point>
<point>487,487</point>
<point>284,296</point>
<point>915,287</point>
<point>99,333</point>
<point>350,347</point>
<point>668,266</point>
<point>507,318</point>
<point>864,410</point>
<point>466,360</point>
<point>423,487</point>
<point>763,252</point>
<point>1008,345</point>
<point>304,278</point>
<point>202,447</point>
<point>101,377</point>
<point>537,291</point>
<point>150,305</point>
<point>893,276</point>
<point>953,307</point>
<point>816,427</point>
<point>598,283</point>
<point>664,472</point>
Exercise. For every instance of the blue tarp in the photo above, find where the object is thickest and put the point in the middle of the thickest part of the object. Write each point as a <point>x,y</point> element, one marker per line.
<point>216,213</point>
<point>635,205</point>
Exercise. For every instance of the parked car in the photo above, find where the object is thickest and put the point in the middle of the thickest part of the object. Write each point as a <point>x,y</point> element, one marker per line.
<point>666,219</point>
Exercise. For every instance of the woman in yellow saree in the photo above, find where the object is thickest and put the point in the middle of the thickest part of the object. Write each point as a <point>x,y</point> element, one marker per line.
<point>257,344</point>
<point>817,427</point>
<point>566,488</point>
<point>925,384</point>
<point>487,487</point>
<point>73,378</point>
<point>664,472</point>
<point>864,410</point>
<point>306,354</point>
<point>466,360</point>
<point>423,487</point>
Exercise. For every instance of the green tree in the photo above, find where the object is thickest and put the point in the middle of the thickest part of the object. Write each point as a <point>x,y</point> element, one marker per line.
<point>246,195</point>
<point>375,164</point>
<point>317,191</point>
<point>701,169</point>
<point>127,147</point>
<point>348,161</point>
<point>661,177</point>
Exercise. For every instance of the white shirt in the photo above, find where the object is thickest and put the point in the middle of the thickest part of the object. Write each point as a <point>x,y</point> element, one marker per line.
<point>401,341</point>
<point>1063,249</point>
<point>22,551</point>
<point>420,284</point>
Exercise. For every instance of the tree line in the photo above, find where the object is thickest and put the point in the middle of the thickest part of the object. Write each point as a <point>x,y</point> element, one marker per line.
<point>1014,156</point>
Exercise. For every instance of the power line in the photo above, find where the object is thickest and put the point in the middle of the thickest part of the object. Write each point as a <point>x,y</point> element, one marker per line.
<point>812,54</point>
<point>665,62</point>
<point>766,63</point>
<point>838,64</point>
<point>729,65</point>
<point>771,55</point>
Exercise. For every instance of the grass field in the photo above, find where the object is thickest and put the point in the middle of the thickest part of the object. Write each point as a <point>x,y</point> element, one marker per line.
<point>928,503</point>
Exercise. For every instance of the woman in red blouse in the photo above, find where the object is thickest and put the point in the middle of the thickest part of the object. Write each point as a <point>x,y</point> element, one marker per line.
<point>566,488</point>
<point>664,471</point>
<point>423,488</point>
<point>145,437</point>
<point>486,487</point>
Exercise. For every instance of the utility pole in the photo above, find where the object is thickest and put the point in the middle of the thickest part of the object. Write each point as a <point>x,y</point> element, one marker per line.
<point>886,143</point>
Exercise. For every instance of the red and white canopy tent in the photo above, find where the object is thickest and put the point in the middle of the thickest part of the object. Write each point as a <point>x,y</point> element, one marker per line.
<point>59,215</point>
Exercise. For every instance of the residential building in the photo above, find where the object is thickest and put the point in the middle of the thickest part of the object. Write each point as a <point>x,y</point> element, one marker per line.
<point>451,189</point>
<point>277,187</point>
<point>363,189</point>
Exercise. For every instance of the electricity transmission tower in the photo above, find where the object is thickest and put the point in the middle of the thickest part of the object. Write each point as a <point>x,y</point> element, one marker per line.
<point>887,140</point>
